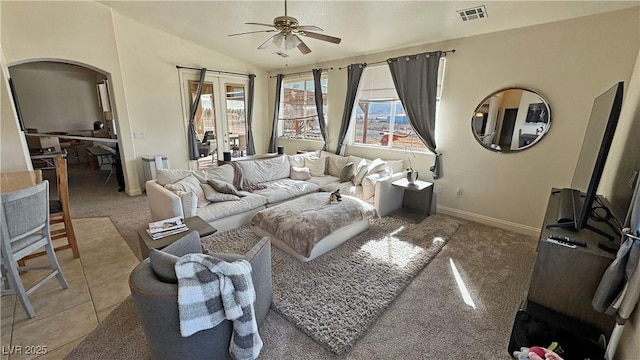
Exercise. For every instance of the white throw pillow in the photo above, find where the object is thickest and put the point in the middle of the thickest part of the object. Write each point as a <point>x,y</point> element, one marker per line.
<point>335,163</point>
<point>369,185</point>
<point>396,165</point>
<point>298,159</point>
<point>190,184</point>
<point>170,176</point>
<point>360,171</point>
<point>376,166</point>
<point>300,173</point>
<point>214,196</point>
<point>315,165</point>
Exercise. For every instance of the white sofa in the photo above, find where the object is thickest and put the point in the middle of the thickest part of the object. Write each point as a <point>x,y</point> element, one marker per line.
<point>276,174</point>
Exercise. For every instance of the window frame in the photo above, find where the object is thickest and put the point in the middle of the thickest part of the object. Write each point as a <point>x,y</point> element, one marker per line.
<point>281,122</point>
<point>393,112</point>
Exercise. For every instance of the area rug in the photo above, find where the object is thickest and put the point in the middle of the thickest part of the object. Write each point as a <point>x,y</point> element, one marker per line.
<point>336,297</point>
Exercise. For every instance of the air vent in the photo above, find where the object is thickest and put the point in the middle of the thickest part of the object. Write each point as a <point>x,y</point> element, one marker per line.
<point>475,13</point>
<point>281,53</point>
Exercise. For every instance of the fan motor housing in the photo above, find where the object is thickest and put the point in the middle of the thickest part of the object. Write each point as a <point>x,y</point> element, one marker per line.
<point>285,22</point>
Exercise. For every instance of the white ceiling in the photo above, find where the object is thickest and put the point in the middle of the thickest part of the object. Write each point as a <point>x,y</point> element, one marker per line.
<point>365,26</point>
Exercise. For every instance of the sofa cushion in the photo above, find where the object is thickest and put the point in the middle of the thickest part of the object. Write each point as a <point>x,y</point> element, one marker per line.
<point>189,202</point>
<point>369,184</point>
<point>214,196</point>
<point>170,176</point>
<point>376,165</point>
<point>259,171</point>
<point>335,163</point>
<point>190,183</point>
<point>395,165</point>
<point>300,173</point>
<point>219,210</point>
<point>316,165</point>
<point>163,262</point>
<point>324,180</point>
<point>223,187</point>
<point>346,174</point>
<point>284,189</point>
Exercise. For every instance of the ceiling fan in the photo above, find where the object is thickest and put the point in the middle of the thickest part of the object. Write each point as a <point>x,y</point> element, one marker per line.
<point>288,32</point>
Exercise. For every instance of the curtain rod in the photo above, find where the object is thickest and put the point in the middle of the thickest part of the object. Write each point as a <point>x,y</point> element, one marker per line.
<point>384,61</point>
<point>215,71</point>
<point>302,72</point>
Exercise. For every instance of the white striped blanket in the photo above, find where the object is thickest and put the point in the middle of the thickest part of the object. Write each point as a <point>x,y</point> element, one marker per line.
<point>210,291</point>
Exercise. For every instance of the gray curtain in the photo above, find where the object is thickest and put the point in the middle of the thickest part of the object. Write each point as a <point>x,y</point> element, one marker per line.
<point>251,149</point>
<point>317,73</point>
<point>276,114</point>
<point>192,140</point>
<point>416,80</point>
<point>354,73</point>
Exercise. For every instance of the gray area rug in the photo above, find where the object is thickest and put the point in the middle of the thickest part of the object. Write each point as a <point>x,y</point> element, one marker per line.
<point>336,297</point>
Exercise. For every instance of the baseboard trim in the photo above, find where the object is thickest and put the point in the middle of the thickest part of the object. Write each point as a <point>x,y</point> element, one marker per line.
<point>502,224</point>
<point>134,192</point>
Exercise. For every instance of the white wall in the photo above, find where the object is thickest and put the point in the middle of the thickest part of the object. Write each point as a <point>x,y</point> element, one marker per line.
<point>141,63</point>
<point>57,96</point>
<point>11,137</point>
<point>582,58</point>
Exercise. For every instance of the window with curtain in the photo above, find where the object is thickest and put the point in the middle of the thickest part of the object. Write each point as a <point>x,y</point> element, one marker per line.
<point>205,120</point>
<point>298,114</point>
<point>380,119</point>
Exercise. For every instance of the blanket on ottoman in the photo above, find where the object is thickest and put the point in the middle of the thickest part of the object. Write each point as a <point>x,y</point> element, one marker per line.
<point>303,222</point>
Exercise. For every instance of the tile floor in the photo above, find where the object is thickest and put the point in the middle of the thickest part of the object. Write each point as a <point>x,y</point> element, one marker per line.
<point>98,282</point>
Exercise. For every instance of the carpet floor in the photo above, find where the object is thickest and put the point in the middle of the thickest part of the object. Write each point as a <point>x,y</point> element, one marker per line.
<point>335,298</point>
<point>435,316</point>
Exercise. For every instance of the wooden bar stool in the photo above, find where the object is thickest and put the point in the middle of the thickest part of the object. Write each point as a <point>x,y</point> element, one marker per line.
<point>59,213</point>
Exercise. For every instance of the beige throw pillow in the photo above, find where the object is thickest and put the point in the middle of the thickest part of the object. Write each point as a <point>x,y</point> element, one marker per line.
<point>300,173</point>
<point>189,184</point>
<point>346,174</point>
<point>360,171</point>
<point>170,176</point>
<point>335,164</point>
<point>189,202</point>
<point>315,165</point>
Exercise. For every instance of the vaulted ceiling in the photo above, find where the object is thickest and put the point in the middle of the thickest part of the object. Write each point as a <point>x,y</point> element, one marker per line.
<point>364,26</point>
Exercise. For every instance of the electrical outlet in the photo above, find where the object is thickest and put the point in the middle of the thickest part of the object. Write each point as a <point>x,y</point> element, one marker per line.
<point>458,192</point>
<point>138,134</point>
<point>438,189</point>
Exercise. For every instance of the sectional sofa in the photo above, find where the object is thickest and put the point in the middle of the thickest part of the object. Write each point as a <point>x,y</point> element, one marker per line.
<point>206,193</point>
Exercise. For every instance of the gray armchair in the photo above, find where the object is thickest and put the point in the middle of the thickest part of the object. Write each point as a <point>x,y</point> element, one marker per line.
<point>157,305</point>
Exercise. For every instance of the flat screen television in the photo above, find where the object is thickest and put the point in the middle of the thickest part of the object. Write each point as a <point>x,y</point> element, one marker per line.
<point>577,202</point>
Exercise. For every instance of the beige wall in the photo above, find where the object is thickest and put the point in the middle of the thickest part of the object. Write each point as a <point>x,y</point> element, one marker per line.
<point>510,190</point>
<point>141,64</point>
<point>12,139</point>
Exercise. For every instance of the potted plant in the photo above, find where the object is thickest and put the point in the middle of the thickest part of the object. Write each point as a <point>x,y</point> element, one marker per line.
<point>412,175</point>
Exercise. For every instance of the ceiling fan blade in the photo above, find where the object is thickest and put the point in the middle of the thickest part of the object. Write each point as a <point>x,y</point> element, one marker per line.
<point>304,49</point>
<point>267,43</point>
<point>309,27</point>
<point>252,32</point>
<point>322,37</point>
<point>261,24</point>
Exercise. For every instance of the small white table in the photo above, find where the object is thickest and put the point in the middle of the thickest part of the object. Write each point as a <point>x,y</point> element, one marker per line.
<point>416,201</point>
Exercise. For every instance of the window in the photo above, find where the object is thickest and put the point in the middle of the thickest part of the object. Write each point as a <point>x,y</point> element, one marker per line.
<point>298,115</point>
<point>380,119</point>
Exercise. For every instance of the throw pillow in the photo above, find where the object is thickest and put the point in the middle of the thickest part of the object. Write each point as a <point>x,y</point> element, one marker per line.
<point>212,195</point>
<point>298,159</point>
<point>189,202</point>
<point>375,166</point>
<point>300,173</point>
<point>395,165</point>
<point>360,171</point>
<point>170,176</point>
<point>369,185</point>
<point>315,165</point>
<point>223,187</point>
<point>346,174</point>
<point>163,262</point>
<point>335,164</point>
<point>190,183</point>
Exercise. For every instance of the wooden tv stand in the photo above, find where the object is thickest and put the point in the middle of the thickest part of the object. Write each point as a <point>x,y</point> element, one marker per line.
<point>565,279</point>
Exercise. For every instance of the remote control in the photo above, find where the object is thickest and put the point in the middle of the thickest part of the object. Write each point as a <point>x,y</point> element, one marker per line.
<point>568,240</point>
<point>562,243</point>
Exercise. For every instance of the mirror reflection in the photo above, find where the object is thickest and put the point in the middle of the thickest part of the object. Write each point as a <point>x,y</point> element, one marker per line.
<point>511,120</point>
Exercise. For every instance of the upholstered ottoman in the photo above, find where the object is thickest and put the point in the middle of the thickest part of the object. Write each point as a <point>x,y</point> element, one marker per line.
<point>309,226</point>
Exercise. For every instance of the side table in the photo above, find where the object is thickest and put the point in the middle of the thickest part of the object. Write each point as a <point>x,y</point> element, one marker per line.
<point>416,201</point>
<point>193,223</point>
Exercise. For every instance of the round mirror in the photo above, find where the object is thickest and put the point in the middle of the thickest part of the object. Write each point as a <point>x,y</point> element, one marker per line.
<point>511,120</point>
